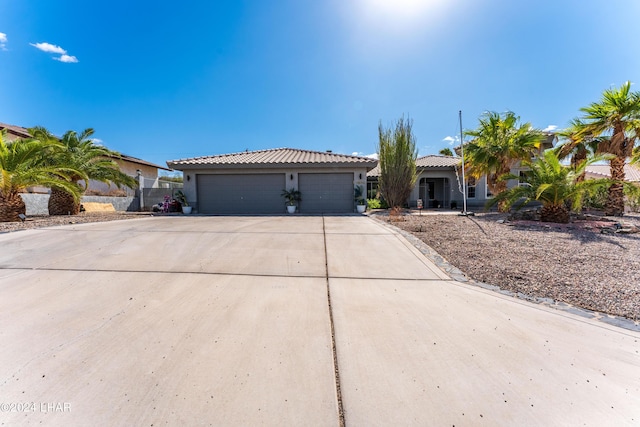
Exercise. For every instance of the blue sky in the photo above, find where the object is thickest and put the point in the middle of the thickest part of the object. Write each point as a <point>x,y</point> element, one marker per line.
<point>164,80</point>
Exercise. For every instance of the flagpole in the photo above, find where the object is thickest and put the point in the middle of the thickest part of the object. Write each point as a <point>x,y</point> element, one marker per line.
<point>464,180</point>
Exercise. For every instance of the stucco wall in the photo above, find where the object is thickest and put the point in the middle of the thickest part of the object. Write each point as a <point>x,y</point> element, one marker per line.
<point>128,168</point>
<point>190,177</point>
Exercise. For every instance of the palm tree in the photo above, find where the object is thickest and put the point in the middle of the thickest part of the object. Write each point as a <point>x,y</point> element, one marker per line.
<point>94,160</point>
<point>446,152</point>
<point>579,144</point>
<point>499,143</point>
<point>635,156</point>
<point>23,163</point>
<point>617,117</point>
<point>550,182</point>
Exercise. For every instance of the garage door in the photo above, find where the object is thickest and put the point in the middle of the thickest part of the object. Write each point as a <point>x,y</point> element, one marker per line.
<point>326,192</point>
<point>241,194</point>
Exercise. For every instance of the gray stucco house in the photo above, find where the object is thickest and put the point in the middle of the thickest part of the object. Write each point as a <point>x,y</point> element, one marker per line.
<point>251,182</point>
<point>439,184</point>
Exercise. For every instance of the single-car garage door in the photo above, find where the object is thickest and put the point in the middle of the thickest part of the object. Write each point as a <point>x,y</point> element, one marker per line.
<point>241,194</point>
<point>326,192</point>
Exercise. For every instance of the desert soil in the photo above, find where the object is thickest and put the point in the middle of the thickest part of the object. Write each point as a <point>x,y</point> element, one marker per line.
<point>574,263</point>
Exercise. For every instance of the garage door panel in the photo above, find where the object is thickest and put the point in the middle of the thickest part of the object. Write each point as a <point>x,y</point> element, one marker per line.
<point>241,193</point>
<point>326,192</point>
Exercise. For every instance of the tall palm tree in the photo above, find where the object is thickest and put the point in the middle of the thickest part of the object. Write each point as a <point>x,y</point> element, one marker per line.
<point>500,142</point>
<point>94,160</point>
<point>578,143</point>
<point>617,117</point>
<point>550,182</point>
<point>23,163</point>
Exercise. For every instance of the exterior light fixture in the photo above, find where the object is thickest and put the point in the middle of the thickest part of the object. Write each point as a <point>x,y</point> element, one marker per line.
<point>188,177</point>
<point>291,177</point>
<point>360,176</point>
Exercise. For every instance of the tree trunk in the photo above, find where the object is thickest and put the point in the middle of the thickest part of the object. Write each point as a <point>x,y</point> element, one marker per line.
<point>554,213</point>
<point>576,160</point>
<point>497,188</point>
<point>11,205</point>
<point>62,203</point>
<point>615,198</point>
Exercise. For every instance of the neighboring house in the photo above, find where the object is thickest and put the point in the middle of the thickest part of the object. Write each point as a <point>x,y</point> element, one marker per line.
<point>251,182</point>
<point>132,166</point>
<point>631,172</point>
<point>14,132</point>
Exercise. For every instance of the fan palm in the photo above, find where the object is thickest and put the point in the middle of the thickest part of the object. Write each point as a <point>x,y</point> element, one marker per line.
<point>23,163</point>
<point>552,183</point>
<point>578,143</point>
<point>93,160</point>
<point>617,117</point>
<point>500,142</point>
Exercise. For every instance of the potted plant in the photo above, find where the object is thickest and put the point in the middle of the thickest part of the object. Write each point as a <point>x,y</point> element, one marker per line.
<point>292,196</point>
<point>182,199</point>
<point>361,202</point>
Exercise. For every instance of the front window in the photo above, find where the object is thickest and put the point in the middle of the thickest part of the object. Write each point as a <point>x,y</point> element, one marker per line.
<point>471,188</point>
<point>488,193</point>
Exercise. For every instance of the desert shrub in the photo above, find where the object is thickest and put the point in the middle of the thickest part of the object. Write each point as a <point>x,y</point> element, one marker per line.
<point>597,200</point>
<point>373,204</point>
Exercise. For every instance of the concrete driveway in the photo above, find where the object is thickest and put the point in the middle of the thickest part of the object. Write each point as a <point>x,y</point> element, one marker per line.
<point>230,321</point>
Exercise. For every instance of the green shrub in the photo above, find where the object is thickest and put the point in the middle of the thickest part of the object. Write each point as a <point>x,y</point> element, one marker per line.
<point>373,204</point>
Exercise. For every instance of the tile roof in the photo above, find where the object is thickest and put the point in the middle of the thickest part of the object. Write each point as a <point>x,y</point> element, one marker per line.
<point>274,157</point>
<point>631,172</point>
<point>16,130</point>
<point>138,161</point>
<point>426,162</point>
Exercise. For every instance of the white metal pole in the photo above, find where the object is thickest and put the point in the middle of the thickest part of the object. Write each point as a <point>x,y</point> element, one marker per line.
<point>464,181</point>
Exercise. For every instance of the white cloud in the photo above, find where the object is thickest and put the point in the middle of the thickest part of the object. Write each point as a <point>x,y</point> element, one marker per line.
<point>550,128</point>
<point>451,140</point>
<point>3,41</point>
<point>361,154</point>
<point>67,58</point>
<point>97,140</point>
<point>48,47</point>
<point>52,48</point>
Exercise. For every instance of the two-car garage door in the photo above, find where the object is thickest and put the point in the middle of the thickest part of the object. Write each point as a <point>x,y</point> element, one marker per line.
<point>261,193</point>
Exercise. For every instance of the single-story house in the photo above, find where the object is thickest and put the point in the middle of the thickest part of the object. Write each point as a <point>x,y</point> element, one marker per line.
<point>252,182</point>
<point>439,184</point>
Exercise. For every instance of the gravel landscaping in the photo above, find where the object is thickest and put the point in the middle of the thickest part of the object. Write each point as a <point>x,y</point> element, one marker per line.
<point>39,221</point>
<point>586,263</point>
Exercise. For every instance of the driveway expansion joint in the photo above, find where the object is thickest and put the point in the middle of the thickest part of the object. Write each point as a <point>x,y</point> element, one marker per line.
<point>336,370</point>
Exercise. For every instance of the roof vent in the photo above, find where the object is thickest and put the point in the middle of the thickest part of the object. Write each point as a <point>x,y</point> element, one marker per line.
<point>329,151</point>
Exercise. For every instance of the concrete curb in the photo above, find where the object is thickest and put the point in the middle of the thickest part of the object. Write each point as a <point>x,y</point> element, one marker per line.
<point>459,276</point>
